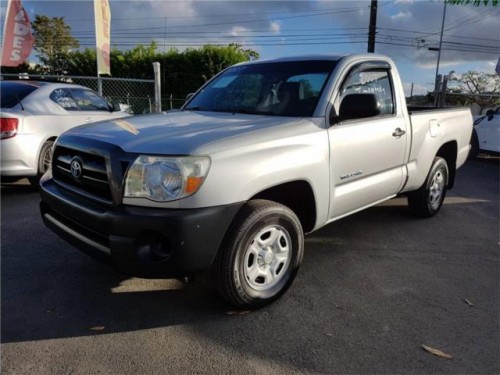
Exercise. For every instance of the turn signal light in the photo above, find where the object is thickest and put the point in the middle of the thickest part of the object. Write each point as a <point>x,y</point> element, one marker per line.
<point>8,127</point>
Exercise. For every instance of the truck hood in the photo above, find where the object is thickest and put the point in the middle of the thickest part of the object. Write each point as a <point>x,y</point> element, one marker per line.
<point>175,133</point>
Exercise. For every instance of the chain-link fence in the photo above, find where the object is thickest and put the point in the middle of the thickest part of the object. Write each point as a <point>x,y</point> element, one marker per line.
<point>136,96</point>
<point>172,103</point>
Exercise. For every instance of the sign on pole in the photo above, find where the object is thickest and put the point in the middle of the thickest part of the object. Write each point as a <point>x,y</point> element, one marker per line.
<point>102,35</point>
<point>17,37</point>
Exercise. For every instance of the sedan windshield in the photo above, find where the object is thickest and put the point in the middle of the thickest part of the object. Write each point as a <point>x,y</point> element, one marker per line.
<point>13,92</point>
<point>277,88</point>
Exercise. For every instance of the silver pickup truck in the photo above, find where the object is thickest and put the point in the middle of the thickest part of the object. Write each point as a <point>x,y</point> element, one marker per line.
<point>263,153</point>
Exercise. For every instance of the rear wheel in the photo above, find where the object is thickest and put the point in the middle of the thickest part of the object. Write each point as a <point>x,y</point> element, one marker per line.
<point>44,161</point>
<point>427,200</point>
<point>260,255</point>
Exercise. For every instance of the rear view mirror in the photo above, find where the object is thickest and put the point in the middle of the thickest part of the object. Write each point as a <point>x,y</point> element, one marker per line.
<point>356,106</point>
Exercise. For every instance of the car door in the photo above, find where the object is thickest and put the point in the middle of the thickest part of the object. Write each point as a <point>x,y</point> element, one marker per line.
<point>488,132</point>
<point>366,154</point>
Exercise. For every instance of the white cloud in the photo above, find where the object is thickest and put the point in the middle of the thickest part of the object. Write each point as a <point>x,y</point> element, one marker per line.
<point>401,15</point>
<point>238,30</point>
<point>276,26</point>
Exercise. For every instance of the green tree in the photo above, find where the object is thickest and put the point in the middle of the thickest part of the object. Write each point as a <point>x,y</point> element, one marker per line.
<point>182,72</point>
<point>480,88</point>
<point>53,42</point>
<point>474,2</point>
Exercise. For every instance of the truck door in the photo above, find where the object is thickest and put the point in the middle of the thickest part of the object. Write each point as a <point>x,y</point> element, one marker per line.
<point>366,153</point>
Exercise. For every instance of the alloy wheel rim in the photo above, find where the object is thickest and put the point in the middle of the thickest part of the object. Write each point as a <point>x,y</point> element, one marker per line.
<point>47,159</point>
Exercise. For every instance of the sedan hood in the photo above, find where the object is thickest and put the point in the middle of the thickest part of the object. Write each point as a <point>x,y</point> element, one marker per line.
<point>175,133</point>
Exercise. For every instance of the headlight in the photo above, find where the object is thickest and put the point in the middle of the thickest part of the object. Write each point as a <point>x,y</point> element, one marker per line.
<point>165,179</point>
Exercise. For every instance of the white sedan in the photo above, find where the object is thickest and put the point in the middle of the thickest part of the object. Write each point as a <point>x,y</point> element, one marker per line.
<point>486,133</point>
<point>34,114</point>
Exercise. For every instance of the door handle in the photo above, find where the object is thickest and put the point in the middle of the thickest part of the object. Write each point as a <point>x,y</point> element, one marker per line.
<point>398,133</point>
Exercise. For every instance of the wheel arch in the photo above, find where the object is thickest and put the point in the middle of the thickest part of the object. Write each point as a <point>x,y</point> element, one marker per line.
<point>39,151</point>
<point>298,196</point>
<point>449,152</point>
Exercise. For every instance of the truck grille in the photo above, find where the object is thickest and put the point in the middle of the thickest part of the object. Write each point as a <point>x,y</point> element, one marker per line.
<point>82,173</point>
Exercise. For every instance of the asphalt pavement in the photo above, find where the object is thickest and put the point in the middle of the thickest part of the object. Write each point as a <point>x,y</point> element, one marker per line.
<point>373,288</point>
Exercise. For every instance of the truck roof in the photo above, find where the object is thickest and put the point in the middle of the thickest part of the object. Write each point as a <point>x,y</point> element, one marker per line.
<point>325,56</point>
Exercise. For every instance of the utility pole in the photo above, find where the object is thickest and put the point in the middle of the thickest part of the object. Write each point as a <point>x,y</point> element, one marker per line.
<point>373,27</point>
<point>436,88</point>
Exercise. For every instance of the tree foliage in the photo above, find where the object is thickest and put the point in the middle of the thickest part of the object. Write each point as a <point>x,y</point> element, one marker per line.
<point>53,42</point>
<point>182,72</point>
<point>474,2</point>
<point>481,89</point>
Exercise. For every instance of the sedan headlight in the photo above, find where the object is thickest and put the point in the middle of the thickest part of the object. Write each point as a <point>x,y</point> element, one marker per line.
<point>165,179</point>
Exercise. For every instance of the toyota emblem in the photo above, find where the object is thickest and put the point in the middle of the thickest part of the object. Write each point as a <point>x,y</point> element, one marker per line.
<point>76,168</point>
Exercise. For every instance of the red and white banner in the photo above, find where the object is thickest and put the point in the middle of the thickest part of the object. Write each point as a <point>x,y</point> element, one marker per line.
<point>102,35</point>
<point>17,37</point>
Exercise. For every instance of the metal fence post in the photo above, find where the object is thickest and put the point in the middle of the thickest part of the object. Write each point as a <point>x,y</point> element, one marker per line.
<point>99,85</point>
<point>157,72</point>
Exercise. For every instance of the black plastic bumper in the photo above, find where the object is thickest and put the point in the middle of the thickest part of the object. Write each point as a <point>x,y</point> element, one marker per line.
<point>139,241</point>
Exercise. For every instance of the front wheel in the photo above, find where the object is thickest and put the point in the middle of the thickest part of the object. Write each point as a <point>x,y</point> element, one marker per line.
<point>260,255</point>
<point>427,200</point>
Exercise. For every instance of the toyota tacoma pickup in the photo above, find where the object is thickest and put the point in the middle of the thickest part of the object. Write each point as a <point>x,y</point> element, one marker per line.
<point>261,154</point>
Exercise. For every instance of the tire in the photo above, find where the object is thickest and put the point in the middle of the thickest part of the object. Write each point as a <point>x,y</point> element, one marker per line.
<point>260,255</point>
<point>474,145</point>
<point>44,161</point>
<point>427,201</point>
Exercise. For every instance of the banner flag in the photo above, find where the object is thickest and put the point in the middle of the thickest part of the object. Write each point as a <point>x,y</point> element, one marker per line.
<point>102,35</point>
<point>17,37</point>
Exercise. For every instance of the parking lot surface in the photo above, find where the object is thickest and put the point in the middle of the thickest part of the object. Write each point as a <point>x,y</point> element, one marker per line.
<point>372,289</point>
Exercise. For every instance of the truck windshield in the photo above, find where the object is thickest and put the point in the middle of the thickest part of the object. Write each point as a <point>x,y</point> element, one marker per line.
<point>275,88</point>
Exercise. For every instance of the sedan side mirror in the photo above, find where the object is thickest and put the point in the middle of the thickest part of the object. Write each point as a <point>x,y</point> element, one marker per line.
<point>491,114</point>
<point>356,106</point>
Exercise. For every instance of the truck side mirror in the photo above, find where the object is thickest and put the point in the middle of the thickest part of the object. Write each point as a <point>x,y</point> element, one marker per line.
<point>355,106</point>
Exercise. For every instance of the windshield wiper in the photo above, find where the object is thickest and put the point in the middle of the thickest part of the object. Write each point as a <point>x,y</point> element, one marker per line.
<point>245,111</point>
<point>194,108</point>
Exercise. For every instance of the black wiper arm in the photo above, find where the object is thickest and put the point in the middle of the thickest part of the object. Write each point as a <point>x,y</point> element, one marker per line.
<point>245,111</point>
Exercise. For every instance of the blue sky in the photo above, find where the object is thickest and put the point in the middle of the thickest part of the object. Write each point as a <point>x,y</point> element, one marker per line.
<point>405,29</point>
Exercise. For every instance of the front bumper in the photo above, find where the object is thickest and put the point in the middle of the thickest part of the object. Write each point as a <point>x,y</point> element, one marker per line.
<point>140,241</point>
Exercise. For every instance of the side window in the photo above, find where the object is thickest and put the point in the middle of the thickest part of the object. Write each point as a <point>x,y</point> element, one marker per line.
<point>311,84</point>
<point>376,81</point>
<point>64,99</point>
<point>89,101</point>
